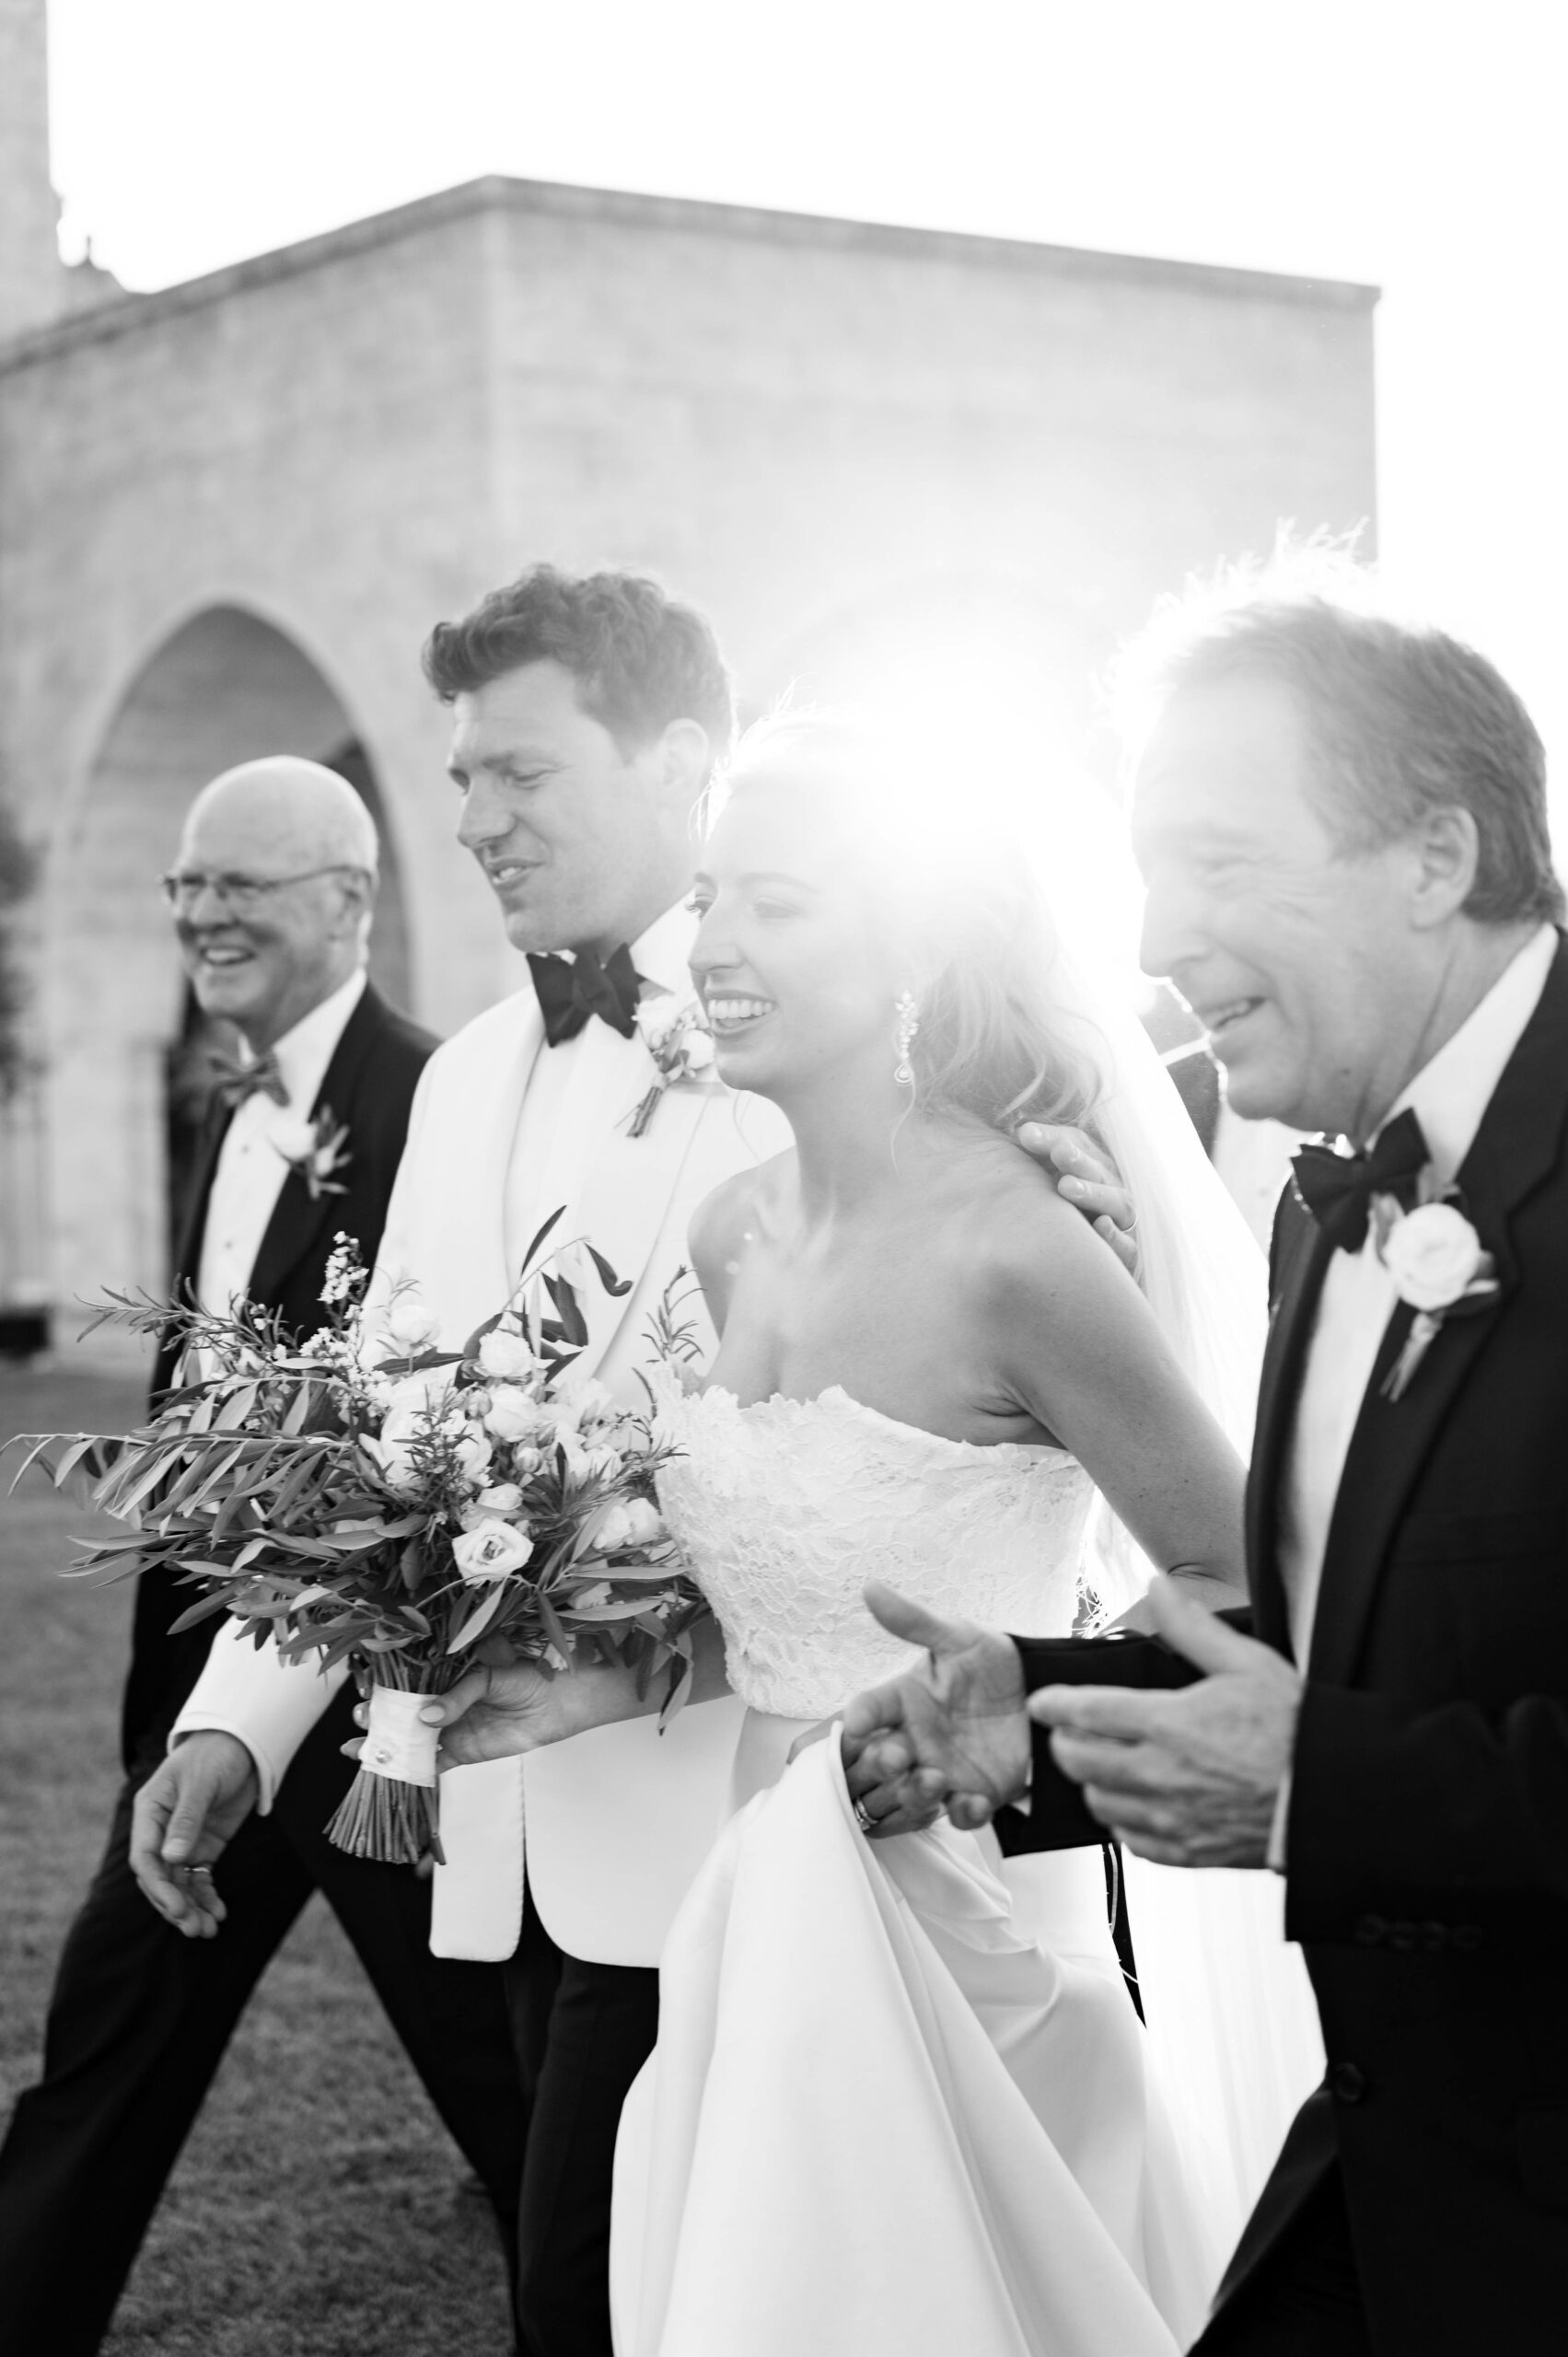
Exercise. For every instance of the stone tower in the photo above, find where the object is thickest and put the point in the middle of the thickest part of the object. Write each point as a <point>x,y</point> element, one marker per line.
<point>31,280</point>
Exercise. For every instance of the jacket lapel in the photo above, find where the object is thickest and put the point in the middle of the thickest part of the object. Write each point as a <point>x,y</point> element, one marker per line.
<point>626,1197</point>
<point>1303,1264</point>
<point>1516,1147</point>
<point>296,1222</point>
<point>188,1254</point>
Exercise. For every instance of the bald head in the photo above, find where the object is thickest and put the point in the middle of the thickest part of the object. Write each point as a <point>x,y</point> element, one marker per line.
<point>265,957</point>
<point>287,815</point>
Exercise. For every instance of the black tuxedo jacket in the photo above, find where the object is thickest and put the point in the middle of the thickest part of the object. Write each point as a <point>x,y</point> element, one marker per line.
<point>369,1085</point>
<point>1427,1841</point>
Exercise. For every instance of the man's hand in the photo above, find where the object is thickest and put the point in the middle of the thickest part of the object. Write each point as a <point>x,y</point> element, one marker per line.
<point>1087,1182</point>
<point>504,1707</point>
<point>1190,1778</point>
<point>951,1733</point>
<point>185,1815</point>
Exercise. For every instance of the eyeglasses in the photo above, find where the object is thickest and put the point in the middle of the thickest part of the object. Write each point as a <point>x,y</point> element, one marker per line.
<point>183,887</point>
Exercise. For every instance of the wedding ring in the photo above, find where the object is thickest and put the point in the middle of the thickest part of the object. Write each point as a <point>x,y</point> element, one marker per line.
<point>205,1872</point>
<point>864,1817</point>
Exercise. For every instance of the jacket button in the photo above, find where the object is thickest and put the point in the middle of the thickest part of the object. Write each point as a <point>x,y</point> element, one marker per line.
<point>1402,1937</point>
<point>1371,1931</point>
<point>1433,1936</point>
<point>1347,2082</point>
<point>1466,1938</point>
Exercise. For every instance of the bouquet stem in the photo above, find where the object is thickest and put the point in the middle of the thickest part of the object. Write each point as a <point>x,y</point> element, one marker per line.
<point>390,1812</point>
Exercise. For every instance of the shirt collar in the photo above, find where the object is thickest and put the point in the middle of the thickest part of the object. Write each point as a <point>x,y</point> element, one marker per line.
<point>304,1052</point>
<point>660,955</point>
<point>1450,1095</point>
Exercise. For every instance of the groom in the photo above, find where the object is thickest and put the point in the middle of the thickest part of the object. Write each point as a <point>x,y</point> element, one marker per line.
<point>1342,826</point>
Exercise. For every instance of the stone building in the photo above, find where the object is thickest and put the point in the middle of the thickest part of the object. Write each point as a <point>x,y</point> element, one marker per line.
<point>229,511</point>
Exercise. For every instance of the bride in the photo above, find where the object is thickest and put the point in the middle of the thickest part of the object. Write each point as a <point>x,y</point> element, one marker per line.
<point>901,2098</point>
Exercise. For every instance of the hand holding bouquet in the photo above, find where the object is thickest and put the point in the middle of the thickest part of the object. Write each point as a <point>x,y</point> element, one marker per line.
<point>363,1496</point>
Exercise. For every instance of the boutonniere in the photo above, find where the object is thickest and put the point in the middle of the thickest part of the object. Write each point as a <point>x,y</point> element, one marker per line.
<point>314,1150</point>
<point>682,1047</point>
<point>1440,1267</point>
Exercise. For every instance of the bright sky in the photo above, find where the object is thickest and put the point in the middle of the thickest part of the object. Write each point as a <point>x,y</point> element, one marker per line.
<point>1416,143</point>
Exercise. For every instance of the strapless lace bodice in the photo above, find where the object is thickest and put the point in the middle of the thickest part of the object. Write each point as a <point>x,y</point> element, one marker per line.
<point>787,1507</point>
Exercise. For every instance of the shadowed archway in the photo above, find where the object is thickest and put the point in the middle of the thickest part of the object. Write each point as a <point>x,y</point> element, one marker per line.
<point>226,687</point>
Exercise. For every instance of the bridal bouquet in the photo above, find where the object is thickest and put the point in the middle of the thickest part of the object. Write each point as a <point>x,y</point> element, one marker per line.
<point>363,1496</point>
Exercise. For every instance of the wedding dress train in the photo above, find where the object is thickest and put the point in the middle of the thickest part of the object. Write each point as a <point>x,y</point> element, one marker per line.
<point>900,2099</point>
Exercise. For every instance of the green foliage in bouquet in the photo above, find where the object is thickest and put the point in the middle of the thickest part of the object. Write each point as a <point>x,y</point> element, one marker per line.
<point>361,1496</point>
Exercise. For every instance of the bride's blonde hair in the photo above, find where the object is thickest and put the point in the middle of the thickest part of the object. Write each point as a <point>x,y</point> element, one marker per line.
<point>958,901</point>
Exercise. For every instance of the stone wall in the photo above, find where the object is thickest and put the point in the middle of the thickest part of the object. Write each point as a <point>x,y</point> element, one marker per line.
<point>855,447</point>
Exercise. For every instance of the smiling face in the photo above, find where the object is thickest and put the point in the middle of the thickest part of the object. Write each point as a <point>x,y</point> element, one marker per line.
<point>794,974</point>
<point>583,844</point>
<point>264,971</point>
<point>1298,957</point>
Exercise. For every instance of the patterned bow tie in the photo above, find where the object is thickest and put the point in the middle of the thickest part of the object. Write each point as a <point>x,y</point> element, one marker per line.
<point>236,1081</point>
<point>573,988</point>
<point>1338,1187</point>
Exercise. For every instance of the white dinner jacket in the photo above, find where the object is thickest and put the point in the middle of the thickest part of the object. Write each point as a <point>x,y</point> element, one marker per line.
<point>619,1819</point>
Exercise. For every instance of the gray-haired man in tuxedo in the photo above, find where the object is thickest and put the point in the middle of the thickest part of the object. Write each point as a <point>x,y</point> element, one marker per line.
<point>1342,822</point>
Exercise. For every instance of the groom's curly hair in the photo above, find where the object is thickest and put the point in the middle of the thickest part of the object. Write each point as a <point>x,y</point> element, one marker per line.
<point>640,657</point>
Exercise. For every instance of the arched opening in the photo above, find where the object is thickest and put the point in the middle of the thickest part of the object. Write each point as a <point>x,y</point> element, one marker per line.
<point>226,687</point>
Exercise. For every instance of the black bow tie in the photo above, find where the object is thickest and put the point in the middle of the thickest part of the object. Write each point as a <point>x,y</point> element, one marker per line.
<point>573,988</point>
<point>236,1081</point>
<point>1338,1187</point>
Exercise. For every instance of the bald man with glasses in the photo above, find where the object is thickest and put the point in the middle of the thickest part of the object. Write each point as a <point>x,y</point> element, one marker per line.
<point>272,895</point>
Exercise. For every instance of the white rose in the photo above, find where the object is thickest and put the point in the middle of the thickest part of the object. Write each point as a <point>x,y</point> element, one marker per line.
<point>473,1455</point>
<point>587,1462</point>
<point>408,1326</point>
<point>501,1497</point>
<point>612,1528</point>
<point>657,1022</point>
<point>582,1399</point>
<point>512,1414</point>
<point>646,1522</point>
<point>623,1524</point>
<point>1433,1254</point>
<point>393,1451</point>
<point>506,1357</point>
<point>699,1048</point>
<point>429,1391</point>
<point>293,1135</point>
<point>490,1550</point>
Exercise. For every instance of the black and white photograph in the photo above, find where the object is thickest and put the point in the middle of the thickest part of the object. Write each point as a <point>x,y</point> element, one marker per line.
<point>784,1180</point>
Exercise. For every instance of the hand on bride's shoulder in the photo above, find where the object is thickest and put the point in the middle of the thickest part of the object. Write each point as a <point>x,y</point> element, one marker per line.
<point>1086,1176</point>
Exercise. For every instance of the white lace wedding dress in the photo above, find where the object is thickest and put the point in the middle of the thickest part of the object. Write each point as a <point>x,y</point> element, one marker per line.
<point>901,2100</point>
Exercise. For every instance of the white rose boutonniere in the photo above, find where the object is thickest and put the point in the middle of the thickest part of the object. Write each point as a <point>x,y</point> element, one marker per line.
<point>682,1047</point>
<point>1440,1267</point>
<point>314,1150</point>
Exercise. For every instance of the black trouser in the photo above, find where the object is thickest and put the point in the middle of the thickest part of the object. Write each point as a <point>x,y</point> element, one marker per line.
<point>582,2033</point>
<point>1303,2299</point>
<point>139,2021</point>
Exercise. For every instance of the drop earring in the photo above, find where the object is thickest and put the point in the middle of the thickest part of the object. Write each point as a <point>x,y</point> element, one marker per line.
<point>906,1018</point>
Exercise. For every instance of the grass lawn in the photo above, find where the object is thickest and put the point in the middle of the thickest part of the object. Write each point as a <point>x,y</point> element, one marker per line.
<point>315,2211</point>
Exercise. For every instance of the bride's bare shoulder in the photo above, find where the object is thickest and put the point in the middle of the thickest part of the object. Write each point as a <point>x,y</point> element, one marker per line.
<point>1031,1237</point>
<point>724,1219</point>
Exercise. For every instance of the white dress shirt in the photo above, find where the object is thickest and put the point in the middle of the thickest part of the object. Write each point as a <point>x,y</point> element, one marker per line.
<point>252,1165</point>
<point>1449,1097</point>
<point>560,1097</point>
